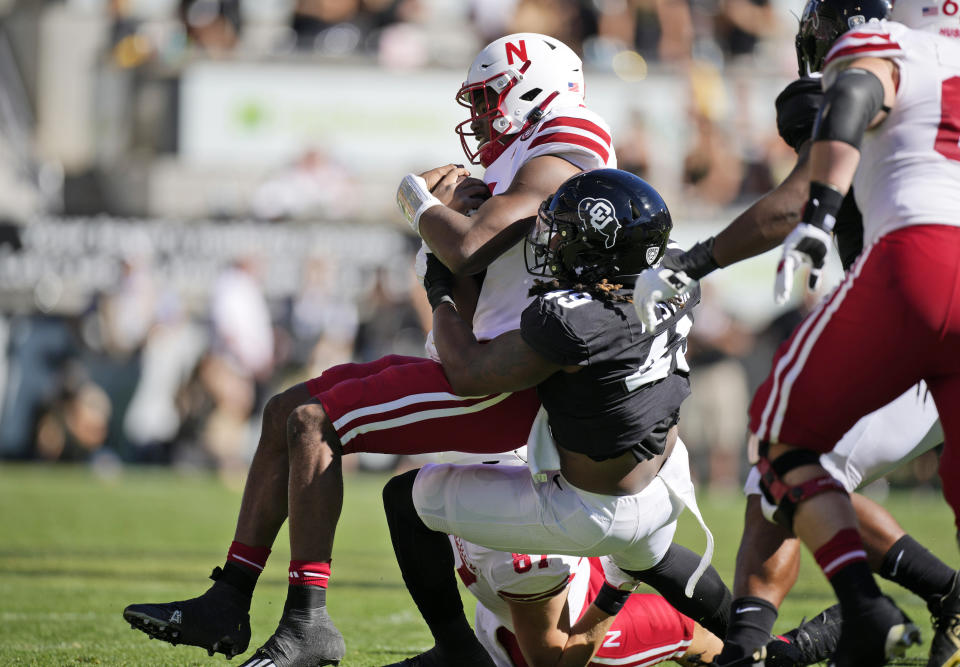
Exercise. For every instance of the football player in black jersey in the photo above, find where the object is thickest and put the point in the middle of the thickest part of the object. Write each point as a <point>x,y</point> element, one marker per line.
<point>768,560</point>
<point>610,475</point>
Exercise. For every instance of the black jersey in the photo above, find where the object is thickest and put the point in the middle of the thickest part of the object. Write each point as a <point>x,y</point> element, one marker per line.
<point>631,382</point>
<point>797,108</point>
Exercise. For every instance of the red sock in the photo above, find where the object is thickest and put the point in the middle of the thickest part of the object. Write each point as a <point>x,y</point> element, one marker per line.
<point>252,559</point>
<point>843,549</point>
<point>309,573</point>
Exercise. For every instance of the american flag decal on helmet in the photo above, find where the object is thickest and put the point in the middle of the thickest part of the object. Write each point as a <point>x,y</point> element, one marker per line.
<point>573,87</point>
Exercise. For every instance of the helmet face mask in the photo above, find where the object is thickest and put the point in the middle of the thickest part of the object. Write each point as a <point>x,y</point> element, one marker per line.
<point>486,124</point>
<point>822,23</point>
<point>600,224</point>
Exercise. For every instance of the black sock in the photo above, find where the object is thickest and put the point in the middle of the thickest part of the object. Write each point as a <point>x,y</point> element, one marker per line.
<point>911,565</point>
<point>426,562</point>
<point>710,604</point>
<point>751,623</point>
<point>854,584</point>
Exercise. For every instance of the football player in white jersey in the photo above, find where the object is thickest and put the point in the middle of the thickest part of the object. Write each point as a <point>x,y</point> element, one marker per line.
<point>552,609</point>
<point>525,94</point>
<point>889,125</point>
<point>768,559</point>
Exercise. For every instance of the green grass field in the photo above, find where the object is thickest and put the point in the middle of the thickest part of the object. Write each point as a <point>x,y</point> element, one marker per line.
<point>75,548</point>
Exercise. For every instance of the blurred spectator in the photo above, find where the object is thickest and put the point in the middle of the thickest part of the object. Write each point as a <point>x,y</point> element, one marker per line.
<point>213,26</point>
<point>313,186</point>
<point>676,29</point>
<point>333,27</point>
<point>242,334</point>
<point>389,322</point>
<point>712,167</point>
<point>240,361</point>
<point>74,426</point>
<point>741,23</point>
<point>323,322</point>
<point>561,19</point>
<point>172,349</point>
<point>40,348</point>
<point>127,311</point>
<point>633,150</point>
<point>491,18</point>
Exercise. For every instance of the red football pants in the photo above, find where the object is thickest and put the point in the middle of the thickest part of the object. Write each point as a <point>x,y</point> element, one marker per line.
<point>894,320</point>
<point>404,405</point>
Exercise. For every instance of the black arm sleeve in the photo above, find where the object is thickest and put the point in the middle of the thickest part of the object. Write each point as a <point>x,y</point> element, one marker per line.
<point>848,107</point>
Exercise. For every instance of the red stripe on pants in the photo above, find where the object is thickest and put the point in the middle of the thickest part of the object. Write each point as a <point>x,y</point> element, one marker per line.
<point>352,389</point>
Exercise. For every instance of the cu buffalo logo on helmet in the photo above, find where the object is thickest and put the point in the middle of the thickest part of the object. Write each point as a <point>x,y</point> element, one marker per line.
<point>599,214</point>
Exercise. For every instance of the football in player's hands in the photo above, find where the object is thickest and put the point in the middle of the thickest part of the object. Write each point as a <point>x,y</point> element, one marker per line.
<point>469,194</point>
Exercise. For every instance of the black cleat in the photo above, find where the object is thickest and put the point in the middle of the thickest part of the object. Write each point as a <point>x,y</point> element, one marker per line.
<point>755,659</point>
<point>218,620</point>
<point>945,647</point>
<point>810,642</point>
<point>470,656</point>
<point>874,636</point>
<point>304,638</point>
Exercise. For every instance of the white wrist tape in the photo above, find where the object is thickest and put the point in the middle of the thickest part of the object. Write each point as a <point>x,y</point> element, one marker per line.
<point>414,198</point>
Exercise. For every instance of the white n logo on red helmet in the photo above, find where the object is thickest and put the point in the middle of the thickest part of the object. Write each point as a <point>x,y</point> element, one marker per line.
<point>598,213</point>
<point>519,51</point>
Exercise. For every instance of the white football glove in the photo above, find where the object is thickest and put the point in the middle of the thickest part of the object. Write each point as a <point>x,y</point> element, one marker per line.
<point>806,244</point>
<point>655,285</point>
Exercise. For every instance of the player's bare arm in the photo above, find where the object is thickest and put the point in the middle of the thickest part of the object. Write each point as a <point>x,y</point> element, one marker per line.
<point>767,222</point>
<point>546,639</point>
<point>504,364</point>
<point>760,228</point>
<point>468,244</point>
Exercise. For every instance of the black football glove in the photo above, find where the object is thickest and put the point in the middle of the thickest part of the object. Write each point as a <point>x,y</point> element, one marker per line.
<point>797,107</point>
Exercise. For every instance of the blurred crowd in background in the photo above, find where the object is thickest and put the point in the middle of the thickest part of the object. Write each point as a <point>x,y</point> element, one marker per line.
<point>196,200</point>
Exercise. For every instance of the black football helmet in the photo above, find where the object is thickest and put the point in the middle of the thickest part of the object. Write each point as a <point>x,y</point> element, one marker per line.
<point>823,21</point>
<point>599,224</point>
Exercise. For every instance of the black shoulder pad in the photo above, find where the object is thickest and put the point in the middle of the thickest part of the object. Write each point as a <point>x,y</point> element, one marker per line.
<point>797,107</point>
<point>550,326</point>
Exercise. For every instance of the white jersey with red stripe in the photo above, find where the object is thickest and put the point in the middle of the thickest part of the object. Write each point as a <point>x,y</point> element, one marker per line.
<point>491,576</point>
<point>573,133</point>
<point>909,171</point>
<point>647,631</point>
